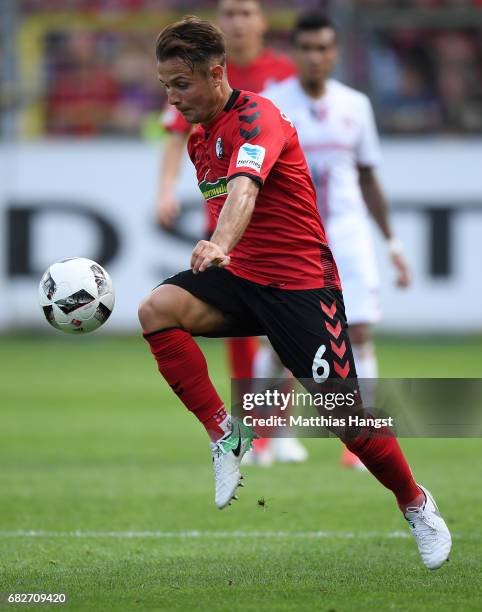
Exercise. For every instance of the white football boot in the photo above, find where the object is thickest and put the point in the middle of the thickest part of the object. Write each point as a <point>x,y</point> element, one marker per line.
<point>430,531</point>
<point>227,454</point>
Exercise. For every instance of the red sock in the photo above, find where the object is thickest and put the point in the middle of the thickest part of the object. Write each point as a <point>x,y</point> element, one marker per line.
<point>184,367</point>
<point>380,452</point>
<point>241,352</point>
<point>217,425</point>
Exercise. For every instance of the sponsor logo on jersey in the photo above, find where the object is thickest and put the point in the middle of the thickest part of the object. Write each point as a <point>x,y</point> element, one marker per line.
<point>219,148</point>
<point>215,189</point>
<point>251,156</point>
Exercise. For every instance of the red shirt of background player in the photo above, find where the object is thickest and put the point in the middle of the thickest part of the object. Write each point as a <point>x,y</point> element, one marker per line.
<point>267,68</point>
<point>284,244</point>
<point>81,100</point>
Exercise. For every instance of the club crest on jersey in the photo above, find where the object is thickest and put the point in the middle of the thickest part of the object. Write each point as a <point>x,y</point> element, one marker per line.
<point>219,148</point>
<point>251,156</point>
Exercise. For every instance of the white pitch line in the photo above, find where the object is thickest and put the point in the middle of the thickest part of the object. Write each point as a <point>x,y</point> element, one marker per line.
<point>345,535</point>
<point>199,534</point>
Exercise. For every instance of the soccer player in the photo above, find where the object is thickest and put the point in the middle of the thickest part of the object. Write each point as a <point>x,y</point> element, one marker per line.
<point>337,132</point>
<point>250,66</point>
<point>267,270</point>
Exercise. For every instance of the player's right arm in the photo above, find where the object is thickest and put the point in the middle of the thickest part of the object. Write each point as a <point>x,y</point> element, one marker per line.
<point>236,212</point>
<point>232,223</point>
<point>167,205</point>
<point>167,208</point>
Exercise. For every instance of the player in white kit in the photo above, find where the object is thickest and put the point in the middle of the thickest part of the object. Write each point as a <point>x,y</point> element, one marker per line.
<point>337,132</point>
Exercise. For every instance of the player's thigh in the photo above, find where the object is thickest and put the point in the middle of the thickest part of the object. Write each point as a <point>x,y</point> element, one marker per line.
<point>309,332</point>
<point>214,308</point>
<point>172,306</point>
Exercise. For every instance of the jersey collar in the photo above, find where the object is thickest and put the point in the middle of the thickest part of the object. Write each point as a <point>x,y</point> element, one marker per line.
<point>232,99</point>
<point>227,107</point>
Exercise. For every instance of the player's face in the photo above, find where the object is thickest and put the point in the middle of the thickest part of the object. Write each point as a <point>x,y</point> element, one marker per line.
<point>242,22</point>
<point>193,93</point>
<point>315,54</point>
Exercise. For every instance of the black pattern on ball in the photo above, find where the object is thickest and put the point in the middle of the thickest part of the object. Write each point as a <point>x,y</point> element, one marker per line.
<point>49,285</point>
<point>74,301</point>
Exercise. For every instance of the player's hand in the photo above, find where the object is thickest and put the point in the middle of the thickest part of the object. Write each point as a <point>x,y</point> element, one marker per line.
<point>404,277</point>
<point>167,210</point>
<point>207,254</point>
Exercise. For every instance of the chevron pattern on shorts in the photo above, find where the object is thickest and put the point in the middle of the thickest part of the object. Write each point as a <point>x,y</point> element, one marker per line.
<point>342,368</point>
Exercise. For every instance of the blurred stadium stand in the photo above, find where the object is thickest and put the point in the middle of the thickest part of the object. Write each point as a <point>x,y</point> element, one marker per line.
<point>86,68</point>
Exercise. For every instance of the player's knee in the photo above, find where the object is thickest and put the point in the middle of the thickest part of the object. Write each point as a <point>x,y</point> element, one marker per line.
<point>144,313</point>
<point>157,311</point>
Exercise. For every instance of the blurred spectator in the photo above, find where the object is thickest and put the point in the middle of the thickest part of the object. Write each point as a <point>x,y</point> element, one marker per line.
<point>419,3</point>
<point>139,90</point>
<point>82,89</point>
<point>425,81</point>
<point>413,108</point>
<point>110,6</point>
<point>104,82</point>
<point>100,84</point>
<point>459,74</point>
<point>98,6</point>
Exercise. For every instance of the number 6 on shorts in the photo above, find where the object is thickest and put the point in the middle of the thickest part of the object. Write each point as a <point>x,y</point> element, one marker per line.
<point>320,364</point>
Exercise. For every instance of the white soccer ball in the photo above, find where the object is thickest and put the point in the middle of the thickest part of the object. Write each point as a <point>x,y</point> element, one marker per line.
<point>76,295</point>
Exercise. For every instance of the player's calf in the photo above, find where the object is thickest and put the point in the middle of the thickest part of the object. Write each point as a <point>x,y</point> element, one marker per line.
<point>163,316</point>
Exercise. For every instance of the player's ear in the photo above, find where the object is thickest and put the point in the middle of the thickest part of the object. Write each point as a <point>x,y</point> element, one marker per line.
<point>217,74</point>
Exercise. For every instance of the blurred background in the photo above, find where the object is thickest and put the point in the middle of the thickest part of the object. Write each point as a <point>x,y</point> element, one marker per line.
<point>81,143</point>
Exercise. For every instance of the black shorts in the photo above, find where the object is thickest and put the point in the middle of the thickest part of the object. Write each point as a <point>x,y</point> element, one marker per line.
<point>307,328</point>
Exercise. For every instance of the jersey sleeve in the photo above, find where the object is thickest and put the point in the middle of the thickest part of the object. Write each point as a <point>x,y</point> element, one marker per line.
<point>173,121</point>
<point>258,139</point>
<point>368,149</point>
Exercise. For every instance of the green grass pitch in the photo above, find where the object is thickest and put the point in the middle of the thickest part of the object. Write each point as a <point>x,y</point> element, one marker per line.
<point>93,442</point>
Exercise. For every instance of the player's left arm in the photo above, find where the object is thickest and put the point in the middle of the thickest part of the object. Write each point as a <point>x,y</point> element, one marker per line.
<point>378,208</point>
<point>232,223</point>
<point>368,155</point>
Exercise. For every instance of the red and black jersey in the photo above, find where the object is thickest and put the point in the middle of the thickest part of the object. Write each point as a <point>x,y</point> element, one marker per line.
<point>269,67</point>
<point>284,244</point>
